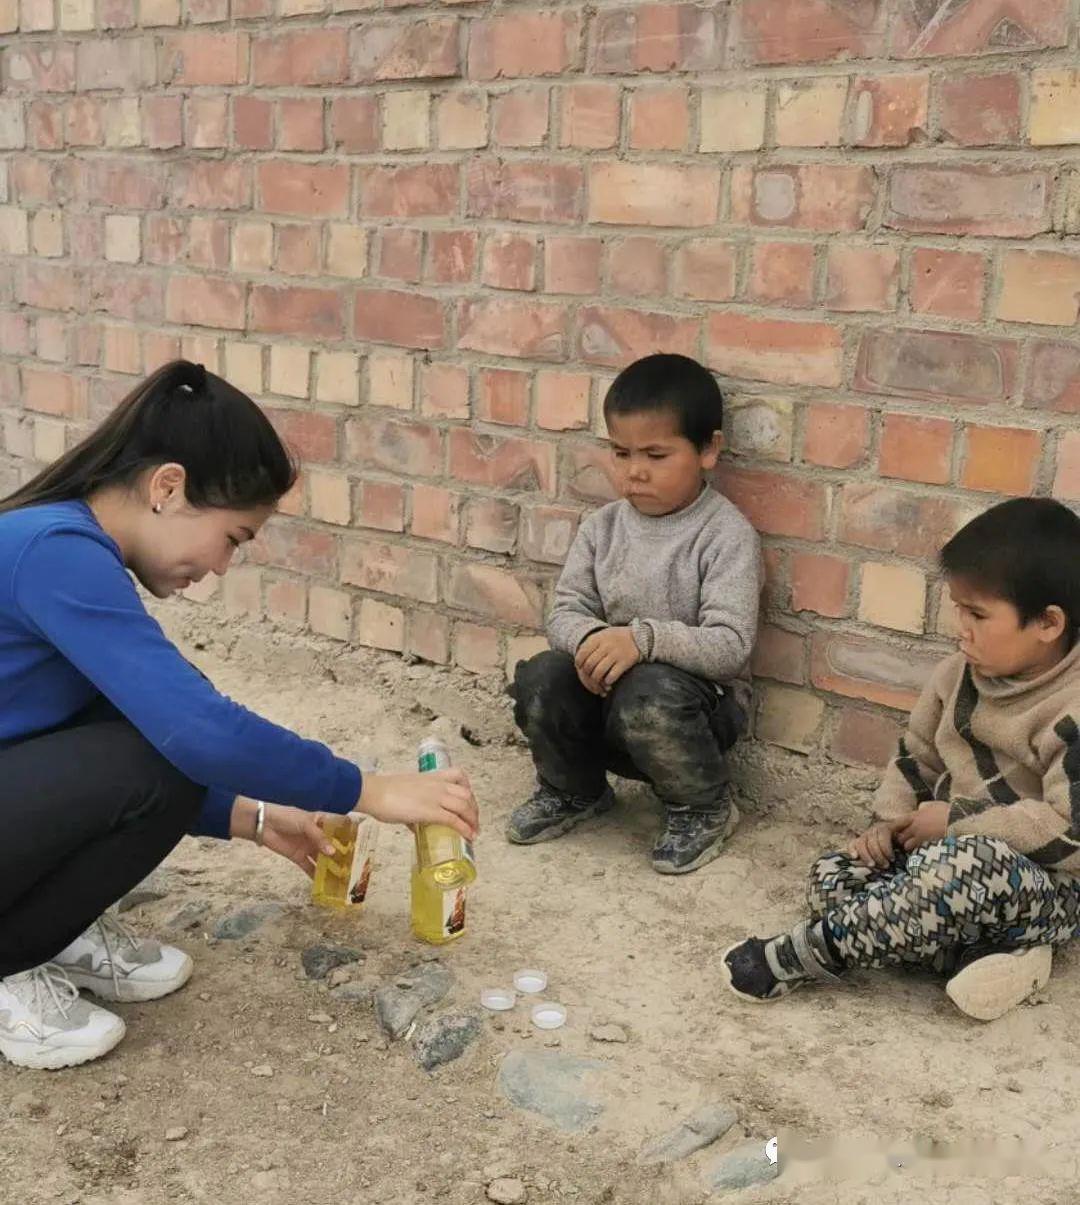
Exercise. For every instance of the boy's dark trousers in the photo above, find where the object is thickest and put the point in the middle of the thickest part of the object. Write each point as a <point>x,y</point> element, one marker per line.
<point>659,725</point>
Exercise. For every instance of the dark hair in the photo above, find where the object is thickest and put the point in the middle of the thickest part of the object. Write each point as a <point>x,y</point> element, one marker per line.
<point>230,452</point>
<point>1025,551</point>
<point>674,383</point>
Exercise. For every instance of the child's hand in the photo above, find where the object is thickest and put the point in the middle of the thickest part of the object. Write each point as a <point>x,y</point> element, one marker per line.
<point>929,823</point>
<point>605,656</point>
<point>875,846</point>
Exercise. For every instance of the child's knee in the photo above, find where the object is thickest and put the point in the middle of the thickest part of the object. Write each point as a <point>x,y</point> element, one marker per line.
<point>650,702</point>
<point>541,685</point>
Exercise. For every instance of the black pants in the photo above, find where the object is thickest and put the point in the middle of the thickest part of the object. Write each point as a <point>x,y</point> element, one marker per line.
<point>659,725</point>
<point>88,810</point>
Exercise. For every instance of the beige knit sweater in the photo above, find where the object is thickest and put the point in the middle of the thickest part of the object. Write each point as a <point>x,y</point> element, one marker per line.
<point>1004,753</point>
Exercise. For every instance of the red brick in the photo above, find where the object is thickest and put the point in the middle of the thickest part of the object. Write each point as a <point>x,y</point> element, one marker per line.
<point>205,301</point>
<point>401,254</point>
<point>303,57</point>
<point>207,12</point>
<point>414,449</point>
<point>491,524</point>
<point>865,738</point>
<point>659,119</point>
<point>451,256</point>
<point>295,311</point>
<point>298,250</point>
<point>889,110</point>
<point>509,464</point>
<point>304,189</point>
<point>44,67</point>
<point>32,179</point>
<point>656,37</point>
<point>117,14</point>
<point>1067,478</point>
<point>778,504</point>
<point>300,124</point>
<point>162,119</point>
<point>502,396</point>
<point>380,626</point>
<point>782,273</point>
<point>193,60</point>
<point>45,125</point>
<point>389,569</point>
<point>836,436</point>
<point>85,122</point>
<point>509,261</point>
<point>520,117</point>
<point>590,116</point>
<point>14,334</point>
<point>132,185</point>
<point>638,267</point>
<point>423,190</point>
<point>779,654</point>
<point>354,123</point>
<point>286,600</point>
<point>520,44</point>
<point>210,184</point>
<point>562,400</point>
<point>980,26</point>
<point>54,392</point>
<point>165,240</point>
<point>572,265</point>
<point>208,243</point>
<point>653,194</point>
<point>862,278</point>
<point>615,337</point>
<point>916,449</point>
<point>586,472</point>
<point>436,514</point>
<point>381,504</point>
<point>313,437</point>
<point>705,270</point>
<point>253,123</point>
<point>813,31</point>
<point>980,110</point>
<point>476,648</point>
<point>129,294</point>
<point>1003,460</point>
<point>423,49</point>
<point>485,590</point>
<point>819,583</point>
<point>969,200</point>
<point>207,122</point>
<point>814,196</point>
<point>947,283</point>
<point>508,327</point>
<point>936,364</point>
<point>1054,378</point>
<point>547,533</point>
<point>524,192</point>
<point>428,637</point>
<point>1039,286</point>
<point>869,669</point>
<point>401,319</point>
<point>771,349</point>
<point>444,390</point>
<point>892,520</point>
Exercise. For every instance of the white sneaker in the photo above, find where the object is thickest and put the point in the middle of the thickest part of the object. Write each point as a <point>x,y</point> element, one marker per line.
<point>110,961</point>
<point>988,986</point>
<point>44,1024</point>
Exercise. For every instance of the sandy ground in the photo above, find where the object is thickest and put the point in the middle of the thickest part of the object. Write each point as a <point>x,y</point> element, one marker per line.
<point>346,1116</point>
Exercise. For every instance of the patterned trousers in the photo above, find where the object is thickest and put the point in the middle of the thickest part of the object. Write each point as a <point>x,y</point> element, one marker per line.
<point>929,904</point>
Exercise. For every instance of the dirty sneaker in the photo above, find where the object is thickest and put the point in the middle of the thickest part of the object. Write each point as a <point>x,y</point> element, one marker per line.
<point>690,839</point>
<point>991,981</point>
<point>548,813</point>
<point>44,1024</point>
<point>761,971</point>
<point>110,961</point>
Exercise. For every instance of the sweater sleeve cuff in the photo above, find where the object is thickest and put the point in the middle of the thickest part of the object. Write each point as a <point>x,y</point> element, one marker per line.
<point>215,816</point>
<point>644,635</point>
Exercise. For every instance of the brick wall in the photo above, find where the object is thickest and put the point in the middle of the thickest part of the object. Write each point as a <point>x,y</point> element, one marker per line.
<point>425,235</point>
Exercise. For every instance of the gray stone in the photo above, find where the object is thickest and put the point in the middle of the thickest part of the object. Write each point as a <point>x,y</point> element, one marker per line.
<point>399,1003</point>
<point>352,993</point>
<point>506,1191</point>
<point>551,1084</point>
<point>245,921</point>
<point>445,1038</point>
<point>176,1133</point>
<point>607,1033</point>
<point>190,916</point>
<point>697,1131</point>
<point>744,1167</point>
<point>319,961</point>
<point>156,886</point>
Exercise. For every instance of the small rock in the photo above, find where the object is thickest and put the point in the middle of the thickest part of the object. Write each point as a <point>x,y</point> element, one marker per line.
<point>26,1104</point>
<point>744,1167</point>
<point>190,916</point>
<point>156,886</point>
<point>508,1191</point>
<point>445,1038</point>
<point>398,1004</point>
<point>320,1018</point>
<point>351,993</point>
<point>550,1084</point>
<point>340,975</point>
<point>319,961</point>
<point>176,1133</point>
<point>1012,1084</point>
<point>245,921</point>
<point>697,1131</point>
<point>607,1033</point>
<point>205,997</point>
<point>263,1070</point>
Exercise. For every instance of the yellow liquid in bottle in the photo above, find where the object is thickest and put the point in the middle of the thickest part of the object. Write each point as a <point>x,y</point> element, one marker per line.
<point>438,916</point>
<point>444,858</point>
<point>341,880</point>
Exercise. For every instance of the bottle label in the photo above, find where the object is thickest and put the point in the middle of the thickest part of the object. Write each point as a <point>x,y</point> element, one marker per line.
<point>453,912</point>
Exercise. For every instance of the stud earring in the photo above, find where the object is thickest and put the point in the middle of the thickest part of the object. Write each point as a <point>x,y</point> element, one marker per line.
<point>157,508</point>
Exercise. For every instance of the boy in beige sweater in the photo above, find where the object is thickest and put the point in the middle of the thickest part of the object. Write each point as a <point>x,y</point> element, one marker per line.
<point>973,866</point>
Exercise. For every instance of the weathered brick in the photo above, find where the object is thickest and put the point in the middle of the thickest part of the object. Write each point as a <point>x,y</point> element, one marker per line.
<point>12,125</point>
<point>858,668</point>
<point>380,626</point>
<point>205,301</point>
<point>207,122</point>
<point>947,283</point>
<point>491,524</point>
<point>572,265</point>
<point>562,400</point>
<point>242,591</point>
<point>777,503</point>
<point>389,569</point>
<point>656,37</point>
<point>381,505</point>
<point>524,192</point>
<point>461,120</point>
<point>330,498</point>
<point>303,189</point>
<point>892,520</point>
<point>330,612</point>
<point>862,278</point>
<point>759,426</point>
<point>298,250</point>
<point>253,123</point>
<point>122,238</point>
<point>391,380</point>
<point>811,112</point>
<point>835,436</point>
<point>771,349</point>
<point>652,194</point>
<point>486,590</point>
<point>423,49</point>
<point>477,648</point>
<point>819,583</point>
<point>789,718</point>
<point>303,57</point>
<point>451,257</point>
<point>413,449</point>
<point>1003,460</point>
<point>969,200</point>
<point>617,337</point>
<point>300,124</point>
<point>206,184</point>
<point>732,119</point>
<point>889,110</point>
<point>779,654</point>
<point>295,311</point>
<point>916,449</point>
<point>936,364</point>
<point>864,738</point>
<point>406,120</point>
<point>428,636</point>
<point>638,267</point>
<point>14,231</point>
<point>705,270</point>
<point>196,59</point>
<point>508,327</point>
<point>51,391</point>
<point>1054,377</point>
<point>590,116</point>
<point>312,436</point>
<point>400,254</point>
<point>425,190</point>
<point>814,31</point>
<point>782,273</point>
<point>444,390</point>
<point>521,116</point>
<point>1054,119</point>
<point>85,122</point>
<point>40,68</point>
<point>978,27</point>
<point>981,110</point>
<point>290,370</point>
<point>44,126</point>
<point>502,396</point>
<point>547,533</point>
<point>346,251</point>
<point>436,514</point>
<point>354,122</point>
<point>287,600</point>
<point>337,378</point>
<point>501,463</point>
<point>519,44</point>
<point>509,261</point>
<point>659,118</point>
<point>1067,476</point>
<point>893,596</point>
<point>814,196</point>
<point>1041,287</point>
<point>403,319</point>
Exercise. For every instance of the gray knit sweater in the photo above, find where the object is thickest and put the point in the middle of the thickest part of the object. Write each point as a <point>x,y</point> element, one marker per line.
<point>686,584</point>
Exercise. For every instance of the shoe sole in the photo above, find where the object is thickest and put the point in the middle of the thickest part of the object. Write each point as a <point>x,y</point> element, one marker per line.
<point>563,827</point>
<point>708,854</point>
<point>135,991</point>
<point>991,986</point>
<point>56,1058</point>
<point>785,988</point>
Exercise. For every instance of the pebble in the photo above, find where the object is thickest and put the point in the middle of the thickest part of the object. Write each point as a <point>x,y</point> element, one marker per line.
<point>744,1167</point>
<point>445,1038</point>
<point>245,921</point>
<point>608,1033</point>
<point>320,1018</point>
<point>190,916</point>
<point>176,1133</point>
<point>263,1070</point>
<point>319,961</point>
<point>398,1004</point>
<point>508,1191</point>
<point>340,976</point>
<point>698,1130</point>
<point>351,993</point>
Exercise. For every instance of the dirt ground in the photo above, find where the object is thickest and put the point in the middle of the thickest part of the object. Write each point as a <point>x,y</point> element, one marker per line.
<point>283,1094</point>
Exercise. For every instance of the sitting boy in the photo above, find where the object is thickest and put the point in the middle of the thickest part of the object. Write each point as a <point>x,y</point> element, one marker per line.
<point>971,869</point>
<point>651,630</point>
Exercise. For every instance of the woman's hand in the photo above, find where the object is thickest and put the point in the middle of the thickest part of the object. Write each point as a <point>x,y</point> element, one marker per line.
<point>875,846</point>
<point>291,832</point>
<point>435,797</point>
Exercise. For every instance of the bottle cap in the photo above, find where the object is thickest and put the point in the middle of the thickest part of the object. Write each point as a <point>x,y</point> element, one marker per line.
<point>548,1015</point>
<point>530,981</point>
<point>498,999</point>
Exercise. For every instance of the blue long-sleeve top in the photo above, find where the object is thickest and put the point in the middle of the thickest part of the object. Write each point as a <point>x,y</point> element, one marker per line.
<point>72,626</point>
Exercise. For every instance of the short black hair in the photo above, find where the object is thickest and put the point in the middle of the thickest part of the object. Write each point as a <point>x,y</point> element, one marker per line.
<point>677,384</point>
<point>1025,551</point>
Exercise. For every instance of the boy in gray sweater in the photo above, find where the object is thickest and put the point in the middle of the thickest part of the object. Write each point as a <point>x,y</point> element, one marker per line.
<point>651,631</point>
